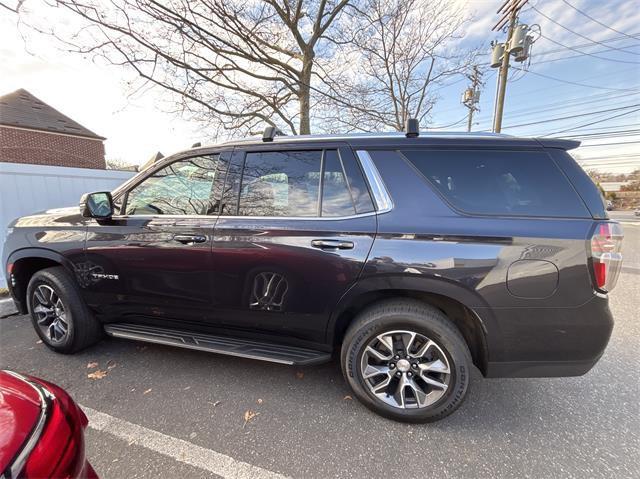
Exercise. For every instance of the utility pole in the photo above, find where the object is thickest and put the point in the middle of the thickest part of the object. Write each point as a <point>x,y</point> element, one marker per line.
<point>509,11</point>
<point>471,95</point>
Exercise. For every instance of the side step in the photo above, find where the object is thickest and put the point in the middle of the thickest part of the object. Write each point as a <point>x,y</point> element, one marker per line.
<point>244,348</point>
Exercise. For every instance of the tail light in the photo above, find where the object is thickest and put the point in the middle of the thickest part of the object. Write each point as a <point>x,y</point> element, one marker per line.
<point>606,256</point>
<point>60,450</point>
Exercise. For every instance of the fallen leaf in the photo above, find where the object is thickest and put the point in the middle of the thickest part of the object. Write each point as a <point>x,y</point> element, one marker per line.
<point>111,364</point>
<point>39,341</point>
<point>248,416</point>
<point>259,401</point>
<point>92,365</point>
<point>99,374</point>
<point>347,398</point>
<point>147,391</point>
<point>299,374</point>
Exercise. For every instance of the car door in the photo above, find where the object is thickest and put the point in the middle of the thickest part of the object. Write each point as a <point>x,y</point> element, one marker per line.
<point>152,261</point>
<point>295,230</point>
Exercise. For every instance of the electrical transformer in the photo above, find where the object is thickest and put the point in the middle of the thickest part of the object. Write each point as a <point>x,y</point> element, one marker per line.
<point>518,39</point>
<point>471,96</point>
<point>523,54</point>
<point>496,55</point>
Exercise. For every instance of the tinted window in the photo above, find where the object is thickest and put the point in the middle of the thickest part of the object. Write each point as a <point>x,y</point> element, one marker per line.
<point>357,185</point>
<point>336,197</point>
<point>182,188</point>
<point>280,184</point>
<point>229,200</point>
<point>519,183</point>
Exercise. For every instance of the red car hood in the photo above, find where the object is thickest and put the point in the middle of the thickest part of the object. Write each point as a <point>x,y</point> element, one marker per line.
<point>19,412</point>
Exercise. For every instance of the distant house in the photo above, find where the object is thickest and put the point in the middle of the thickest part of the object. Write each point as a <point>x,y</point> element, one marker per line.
<point>35,133</point>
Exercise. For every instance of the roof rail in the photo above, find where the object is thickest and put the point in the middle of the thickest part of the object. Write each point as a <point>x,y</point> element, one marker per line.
<point>270,132</point>
<point>412,128</point>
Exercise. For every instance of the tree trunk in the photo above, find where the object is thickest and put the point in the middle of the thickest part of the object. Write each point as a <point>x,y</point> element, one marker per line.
<point>305,94</point>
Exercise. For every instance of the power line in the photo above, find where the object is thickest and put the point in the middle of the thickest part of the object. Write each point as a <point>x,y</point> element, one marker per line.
<point>549,120</point>
<point>587,53</point>
<point>611,144</point>
<point>582,54</point>
<point>576,83</point>
<point>575,102</point>
<point>598,21</point>
<point>587,45</point>
<point>596,122</point>
<point>578,34</point>
<point>606,134</point>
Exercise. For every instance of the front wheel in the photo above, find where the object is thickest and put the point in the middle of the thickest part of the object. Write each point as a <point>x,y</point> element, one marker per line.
<point>406,361</point>
<point>58,313</point>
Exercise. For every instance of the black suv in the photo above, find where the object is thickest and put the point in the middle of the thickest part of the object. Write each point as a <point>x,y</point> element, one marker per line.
<point>412,256</point>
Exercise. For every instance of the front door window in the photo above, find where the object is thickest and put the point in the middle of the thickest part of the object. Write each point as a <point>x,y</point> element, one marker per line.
<point>181,188</point>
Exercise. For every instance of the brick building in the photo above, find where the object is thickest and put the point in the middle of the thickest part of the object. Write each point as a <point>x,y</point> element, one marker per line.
<point>33,132</point>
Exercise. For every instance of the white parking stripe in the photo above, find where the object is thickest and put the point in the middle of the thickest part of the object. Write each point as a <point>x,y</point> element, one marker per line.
<point>182,451</point>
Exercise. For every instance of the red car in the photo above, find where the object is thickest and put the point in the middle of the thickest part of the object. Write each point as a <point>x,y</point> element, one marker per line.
<point>41,430</point>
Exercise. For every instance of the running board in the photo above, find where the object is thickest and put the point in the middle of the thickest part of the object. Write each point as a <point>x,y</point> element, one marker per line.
<point>244,348</point>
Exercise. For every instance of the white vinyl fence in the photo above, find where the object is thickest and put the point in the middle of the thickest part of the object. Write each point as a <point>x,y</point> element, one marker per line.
<point>26,189</point>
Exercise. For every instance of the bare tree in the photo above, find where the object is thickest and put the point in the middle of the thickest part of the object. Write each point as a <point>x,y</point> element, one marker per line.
<point>395,54</point>
<point>236,64</point>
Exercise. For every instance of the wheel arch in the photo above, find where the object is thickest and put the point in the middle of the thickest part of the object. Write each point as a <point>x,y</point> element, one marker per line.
<point>24,263</point>
<point>453,300</point>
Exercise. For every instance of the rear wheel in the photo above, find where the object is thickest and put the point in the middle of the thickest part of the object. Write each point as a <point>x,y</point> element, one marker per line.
<point>58,313</point>
<point>406,361</point>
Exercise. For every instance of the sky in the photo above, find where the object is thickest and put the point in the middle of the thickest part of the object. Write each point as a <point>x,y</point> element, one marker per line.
<point>579,66</point>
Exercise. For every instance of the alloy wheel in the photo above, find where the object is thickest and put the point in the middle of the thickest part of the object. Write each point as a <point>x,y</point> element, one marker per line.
<point>50,312</point>
<point>405,369</point>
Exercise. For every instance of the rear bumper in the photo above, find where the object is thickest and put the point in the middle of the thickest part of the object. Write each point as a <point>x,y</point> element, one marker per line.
<point>551,342</point>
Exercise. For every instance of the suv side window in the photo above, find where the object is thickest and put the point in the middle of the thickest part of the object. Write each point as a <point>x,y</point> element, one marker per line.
<point>493,182</point>
<point>296,184</point>
<point>280,183</point>
<point>181,188</point>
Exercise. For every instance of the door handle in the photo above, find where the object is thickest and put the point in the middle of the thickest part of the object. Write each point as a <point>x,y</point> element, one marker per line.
<point>190,239</point>
<point>331,244</point>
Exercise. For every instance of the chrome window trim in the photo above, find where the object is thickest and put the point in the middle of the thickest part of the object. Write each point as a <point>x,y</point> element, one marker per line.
<point>18,464</point>
<point>381,196</point>
<point>213,217</point>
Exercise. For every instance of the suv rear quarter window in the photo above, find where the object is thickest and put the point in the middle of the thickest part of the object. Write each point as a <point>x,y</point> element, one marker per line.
<point>499,182</point>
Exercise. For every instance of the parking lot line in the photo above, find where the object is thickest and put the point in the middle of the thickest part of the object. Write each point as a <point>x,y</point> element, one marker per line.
<point>178,449</point>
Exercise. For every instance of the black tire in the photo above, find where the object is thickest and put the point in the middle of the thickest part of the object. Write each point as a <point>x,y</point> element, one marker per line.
<point>83,329</point>
<point>411,315</point>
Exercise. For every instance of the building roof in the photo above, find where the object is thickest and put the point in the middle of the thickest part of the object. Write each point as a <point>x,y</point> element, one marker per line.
<point>23,110</point>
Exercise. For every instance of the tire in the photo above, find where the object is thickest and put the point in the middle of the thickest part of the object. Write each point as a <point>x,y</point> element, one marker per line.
<point>53,297</point>
<point>446,361</point>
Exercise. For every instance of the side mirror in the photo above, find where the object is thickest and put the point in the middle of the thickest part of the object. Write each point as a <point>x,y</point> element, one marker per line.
<point>96,205</point>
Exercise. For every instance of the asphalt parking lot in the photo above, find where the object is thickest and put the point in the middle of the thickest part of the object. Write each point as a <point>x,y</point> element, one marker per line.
<point>160,411</point>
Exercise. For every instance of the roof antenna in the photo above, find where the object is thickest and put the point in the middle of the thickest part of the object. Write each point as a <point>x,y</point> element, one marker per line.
<point>412,128</point>
<point>196,145</point>
<point>270,132</point>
